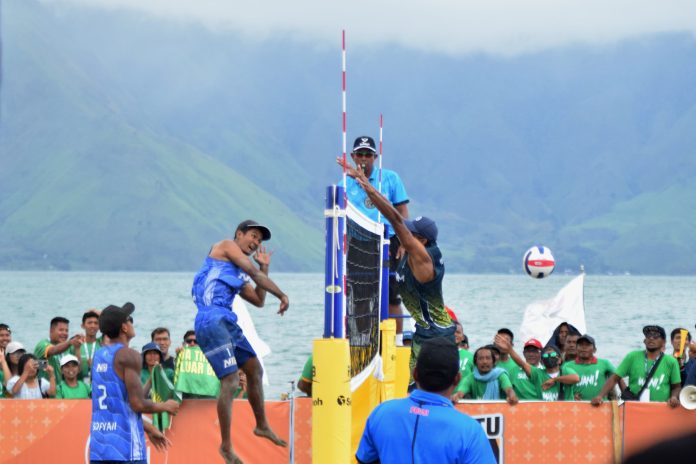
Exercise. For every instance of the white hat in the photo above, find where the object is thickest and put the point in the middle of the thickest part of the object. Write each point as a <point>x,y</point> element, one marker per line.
<point>14,347</point>
<point>66,359</point>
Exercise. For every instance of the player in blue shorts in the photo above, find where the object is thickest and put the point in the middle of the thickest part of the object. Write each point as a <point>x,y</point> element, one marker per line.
<point>117,429</point>
<point>226,272</point>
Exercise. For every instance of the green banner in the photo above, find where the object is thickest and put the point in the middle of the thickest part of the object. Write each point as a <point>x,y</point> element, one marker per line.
<point>194,375</point>
<point>162,390</point>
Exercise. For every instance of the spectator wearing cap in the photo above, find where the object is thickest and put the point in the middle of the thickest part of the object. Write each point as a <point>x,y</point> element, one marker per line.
<point>487,381</point>
<point>593,371</point>
<point>665,383</point>
<point>57,344</point>
<point>553,383</point>
<point>71,388</point>
<point>425,427</point>
<point>521,383</point>
<point>27,384</point>
<point>162,337</point>
<point>90,324</point>
<point>466,358</point>
<point>365,154</point>
<point>504,360</point>
<point>152,356</point>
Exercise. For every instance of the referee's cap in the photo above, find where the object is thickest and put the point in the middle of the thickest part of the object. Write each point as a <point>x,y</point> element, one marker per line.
<point>364,143</point>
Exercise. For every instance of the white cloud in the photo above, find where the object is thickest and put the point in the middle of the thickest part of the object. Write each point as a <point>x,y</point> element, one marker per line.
<point>505,27</point>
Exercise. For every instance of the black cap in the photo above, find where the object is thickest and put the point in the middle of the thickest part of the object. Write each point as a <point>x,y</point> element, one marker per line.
<point>587,338</point>
<point>437,364</point>
<point>112,317</point>
<point>655,328</point>
<point>364,143</point>
<point>251,224</point>
<point>423,226</point>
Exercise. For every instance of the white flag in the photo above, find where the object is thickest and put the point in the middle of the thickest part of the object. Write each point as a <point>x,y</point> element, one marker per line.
<point>247,325</point>
<point>542,317</point>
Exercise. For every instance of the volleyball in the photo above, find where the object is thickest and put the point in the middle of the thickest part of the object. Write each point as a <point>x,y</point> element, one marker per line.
<point>538,262</point>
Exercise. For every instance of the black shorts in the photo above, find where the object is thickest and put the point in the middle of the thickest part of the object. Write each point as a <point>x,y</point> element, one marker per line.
<point>394,298</point>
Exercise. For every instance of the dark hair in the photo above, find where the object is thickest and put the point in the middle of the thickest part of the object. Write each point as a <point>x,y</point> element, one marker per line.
<point>674,333</point>
<point>189,332</point>
<point>487,347</point>
<point>22,361</point>
<point>507,331</point>
<point>5,327</point>
<point>437,364</point>
<point>89,314</point>
<point>59,320</point>
<point>158,331</point>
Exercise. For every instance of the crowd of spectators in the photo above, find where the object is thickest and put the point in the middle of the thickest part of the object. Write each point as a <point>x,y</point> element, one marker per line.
<point>60,365</point>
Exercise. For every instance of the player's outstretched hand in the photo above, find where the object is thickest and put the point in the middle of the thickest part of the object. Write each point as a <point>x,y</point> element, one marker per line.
<point>284,305</point>
<point>171,406</point>
<point>158,440</point>
<point>263,257</point>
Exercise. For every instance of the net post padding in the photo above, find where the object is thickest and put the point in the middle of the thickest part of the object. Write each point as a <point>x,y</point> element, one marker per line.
<point>403,373</point>
<point>331,402</point>
<point>388,329</point>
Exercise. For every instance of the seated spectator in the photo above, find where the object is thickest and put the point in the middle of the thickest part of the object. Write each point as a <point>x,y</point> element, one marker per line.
<point>675,338</point>
<point>90,345</point>
<point>305,382</point>
<point>27,385</point>
<point>486,382</point>
<point>5,335</point>
<point>555,382</point>
<point>558,338</point>
<point>665,383</point>
<point>593,371</point>
<point>152,356</point>
<point>503,360</point>
<point>570,351</point>
<point>532,352</point>
<point>189,340</point>
<point>194,376</point>
<point>521,383</point>
<point>70,388</point>
<point>241,392</point>
<point>57,344</point>
<point>163,339</point>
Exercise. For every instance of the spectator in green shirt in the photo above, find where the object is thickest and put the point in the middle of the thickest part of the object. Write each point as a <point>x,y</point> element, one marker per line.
<point>90,345</point>
<point>152,356</point>
<point>570,351</point>
<point>70,388</point>
<point>58,344</point>
<point>504,360</point>
<point>305,382</point>
<point>593,371</point>
<point>5,335</point>
<point>486,382</point>
<point>665,384</point>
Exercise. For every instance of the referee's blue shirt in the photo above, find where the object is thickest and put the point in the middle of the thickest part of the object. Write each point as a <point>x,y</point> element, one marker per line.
<point>423,428</point>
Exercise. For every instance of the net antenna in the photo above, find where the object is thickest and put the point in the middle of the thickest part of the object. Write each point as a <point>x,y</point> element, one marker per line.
<point>379,184</point>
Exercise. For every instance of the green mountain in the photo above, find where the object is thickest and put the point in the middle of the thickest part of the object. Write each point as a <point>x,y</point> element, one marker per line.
<point>130,142</point>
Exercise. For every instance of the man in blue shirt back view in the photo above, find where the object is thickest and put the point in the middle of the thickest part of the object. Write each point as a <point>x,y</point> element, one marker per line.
<point>425,427</point>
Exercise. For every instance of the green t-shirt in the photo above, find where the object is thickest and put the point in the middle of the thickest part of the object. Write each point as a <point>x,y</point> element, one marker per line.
<point>87,351</point>
<point>523,385</point>
<point>80,391</point>
<point>2,384</point>
<point>40,353</point>
<point>307,370</point>
<point>466,362</point>
<point>475,388</point>
<point>592,377</point>
<point>539,376</point>
<point>508,365</point>
<point>636,366</point>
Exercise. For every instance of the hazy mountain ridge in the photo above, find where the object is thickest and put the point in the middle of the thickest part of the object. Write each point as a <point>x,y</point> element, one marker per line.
<point>111,121</point>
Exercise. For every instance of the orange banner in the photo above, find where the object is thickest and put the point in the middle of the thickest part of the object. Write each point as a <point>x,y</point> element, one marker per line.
<point>646,424</point>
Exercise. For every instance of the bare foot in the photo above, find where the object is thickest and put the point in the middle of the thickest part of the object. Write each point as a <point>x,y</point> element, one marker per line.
<point>229,456</point>
<point>268,433</point>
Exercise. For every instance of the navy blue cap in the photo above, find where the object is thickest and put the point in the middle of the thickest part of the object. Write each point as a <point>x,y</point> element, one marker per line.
<point>423,226</point>
<point>655,328</point>
<point>152,346</point>
<point>364,142</point>
<point>587,338</point>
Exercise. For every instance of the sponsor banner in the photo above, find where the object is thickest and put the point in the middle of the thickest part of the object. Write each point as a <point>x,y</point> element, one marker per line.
<point>646,424</point>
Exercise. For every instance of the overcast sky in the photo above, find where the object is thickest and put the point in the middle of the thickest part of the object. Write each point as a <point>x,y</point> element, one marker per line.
<point>506,27</point>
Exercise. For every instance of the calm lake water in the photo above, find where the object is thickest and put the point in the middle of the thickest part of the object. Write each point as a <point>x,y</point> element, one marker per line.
<point>616,308</point>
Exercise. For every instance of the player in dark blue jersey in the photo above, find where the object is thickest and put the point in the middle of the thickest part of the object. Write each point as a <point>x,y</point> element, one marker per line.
<point>117,432</point>
<point>227,272</point>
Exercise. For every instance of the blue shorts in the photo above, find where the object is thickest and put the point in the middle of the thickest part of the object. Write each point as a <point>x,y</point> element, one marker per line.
<point>222,340</point>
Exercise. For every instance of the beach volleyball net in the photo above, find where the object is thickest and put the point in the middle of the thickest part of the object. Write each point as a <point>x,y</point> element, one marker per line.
<point>363,287</point>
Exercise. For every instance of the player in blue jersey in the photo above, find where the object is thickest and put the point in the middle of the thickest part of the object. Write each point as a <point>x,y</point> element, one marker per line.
<point>364,155</point>
<point>117,432</point>
<point>227,272</point>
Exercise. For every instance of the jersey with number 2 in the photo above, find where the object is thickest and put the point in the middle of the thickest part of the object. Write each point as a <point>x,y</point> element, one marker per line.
<point>116,431</point>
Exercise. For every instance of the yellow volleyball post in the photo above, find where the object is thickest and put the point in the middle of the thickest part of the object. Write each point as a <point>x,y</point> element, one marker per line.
<point>388,329</point>
<point>403,372</point>
<point>331,402</point>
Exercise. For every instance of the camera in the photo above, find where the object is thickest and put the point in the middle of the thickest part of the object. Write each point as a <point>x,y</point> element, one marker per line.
<point>42,364</point>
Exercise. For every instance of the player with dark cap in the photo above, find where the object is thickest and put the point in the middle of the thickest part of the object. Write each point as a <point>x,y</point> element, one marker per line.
<point>420,271</point>
<point>425,427</point>
<point>665,383</point>
<point>227,272</point>
<point>117,429</point>
<point>365,154</point>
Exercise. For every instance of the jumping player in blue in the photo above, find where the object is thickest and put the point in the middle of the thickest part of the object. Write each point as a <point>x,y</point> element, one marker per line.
<point>117,432</point>
<point>227,272</point>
